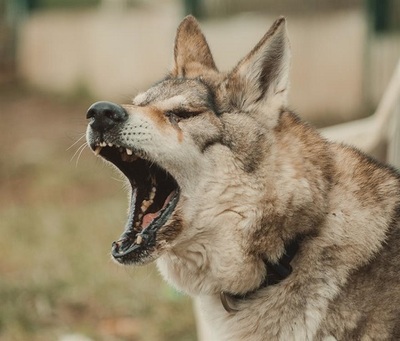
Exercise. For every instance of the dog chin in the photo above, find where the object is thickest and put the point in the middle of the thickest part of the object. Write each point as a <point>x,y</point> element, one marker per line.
<point>144,247</point>
<point>137,259</point>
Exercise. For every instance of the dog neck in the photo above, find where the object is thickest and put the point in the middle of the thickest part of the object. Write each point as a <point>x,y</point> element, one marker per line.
<point>275,273</point>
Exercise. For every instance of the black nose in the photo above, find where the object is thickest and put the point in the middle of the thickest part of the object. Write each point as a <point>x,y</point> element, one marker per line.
<point>105,115</point>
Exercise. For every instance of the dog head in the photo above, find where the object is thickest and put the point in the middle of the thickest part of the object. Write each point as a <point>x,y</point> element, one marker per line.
<point>194,149</point>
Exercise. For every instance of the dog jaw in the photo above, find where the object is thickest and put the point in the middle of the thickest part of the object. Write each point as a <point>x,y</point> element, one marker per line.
<point>210,254</point>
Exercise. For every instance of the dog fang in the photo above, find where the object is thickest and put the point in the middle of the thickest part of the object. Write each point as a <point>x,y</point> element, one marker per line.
<point>139,239</point>
<point>97,150</point>
<point>128,158</point>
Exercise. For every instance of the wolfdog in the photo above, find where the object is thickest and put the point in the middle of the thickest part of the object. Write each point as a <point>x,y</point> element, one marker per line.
<point>277,232</point>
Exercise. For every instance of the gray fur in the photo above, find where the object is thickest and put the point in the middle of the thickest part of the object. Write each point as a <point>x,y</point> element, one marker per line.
<point>253,177</point>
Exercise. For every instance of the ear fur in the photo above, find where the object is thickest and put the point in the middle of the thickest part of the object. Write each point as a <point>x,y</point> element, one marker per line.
<point>263,75</point>
<point>192,54</point>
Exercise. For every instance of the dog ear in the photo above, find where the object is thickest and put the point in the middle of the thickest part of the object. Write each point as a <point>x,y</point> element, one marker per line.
<point>263,75</point>
<point>192,55</point>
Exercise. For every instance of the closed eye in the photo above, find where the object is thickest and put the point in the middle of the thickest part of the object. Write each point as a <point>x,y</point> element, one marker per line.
<point>181,114</point>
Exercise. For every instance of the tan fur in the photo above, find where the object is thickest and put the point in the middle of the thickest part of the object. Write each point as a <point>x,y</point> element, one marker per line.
<point>252,178</point>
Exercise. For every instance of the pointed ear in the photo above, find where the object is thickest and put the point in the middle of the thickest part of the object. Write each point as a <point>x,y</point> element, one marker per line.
<point>191,53</point>
<point>263,75</point>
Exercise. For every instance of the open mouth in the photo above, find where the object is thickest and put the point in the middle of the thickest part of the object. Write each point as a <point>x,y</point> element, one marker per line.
<point>155,194</point>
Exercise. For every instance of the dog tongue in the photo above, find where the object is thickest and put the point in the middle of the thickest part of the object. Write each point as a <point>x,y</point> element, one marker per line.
<point>148,218</point>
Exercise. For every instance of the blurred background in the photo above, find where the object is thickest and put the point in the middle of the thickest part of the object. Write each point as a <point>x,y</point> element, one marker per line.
<point>60,207</point>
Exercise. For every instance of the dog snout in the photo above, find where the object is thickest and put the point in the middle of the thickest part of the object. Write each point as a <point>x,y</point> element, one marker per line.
<point>105,115</point>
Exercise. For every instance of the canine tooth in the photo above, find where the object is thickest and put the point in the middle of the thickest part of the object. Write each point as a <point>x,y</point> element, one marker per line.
<point>128,151</point>
<point>110,144</point>
<point>128,158</point>
<point>139,239</point>
<point>97,150</point>
<point>152,195</point>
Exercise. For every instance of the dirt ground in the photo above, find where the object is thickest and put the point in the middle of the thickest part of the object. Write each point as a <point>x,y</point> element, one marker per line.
<point>60,209</point>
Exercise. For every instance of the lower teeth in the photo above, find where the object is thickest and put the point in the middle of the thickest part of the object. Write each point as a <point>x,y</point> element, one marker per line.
<point>139,239</point>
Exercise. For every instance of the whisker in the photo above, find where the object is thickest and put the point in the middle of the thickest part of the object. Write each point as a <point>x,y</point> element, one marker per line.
<point>76,142</point>
<point>80,153</point>
<point>81,147</point>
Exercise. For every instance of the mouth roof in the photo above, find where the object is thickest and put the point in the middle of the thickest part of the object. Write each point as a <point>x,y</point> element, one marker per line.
<point>155,194</point>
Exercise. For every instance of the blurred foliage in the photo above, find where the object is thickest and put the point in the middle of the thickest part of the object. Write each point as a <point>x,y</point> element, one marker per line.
<point>62,3</point>
<point>49,4</point>
<point>214,8</point>
<point>384,14</point>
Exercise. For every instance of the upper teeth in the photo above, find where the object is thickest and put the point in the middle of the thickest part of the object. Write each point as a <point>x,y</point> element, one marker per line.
<point>110,144</point>
<point>128,152</point>
<point>105,144</point>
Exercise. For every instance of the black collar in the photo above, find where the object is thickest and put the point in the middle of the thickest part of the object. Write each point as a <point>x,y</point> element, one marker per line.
<point>276,272</point>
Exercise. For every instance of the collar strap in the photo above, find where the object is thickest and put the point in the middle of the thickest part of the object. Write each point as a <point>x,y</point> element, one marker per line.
<point>276,272</point>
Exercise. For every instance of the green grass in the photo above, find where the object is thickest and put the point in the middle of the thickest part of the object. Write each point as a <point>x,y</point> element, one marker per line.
<point>57,220</point>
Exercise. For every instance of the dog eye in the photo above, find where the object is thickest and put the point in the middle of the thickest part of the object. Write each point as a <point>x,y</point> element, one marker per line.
<point>178,115</point>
